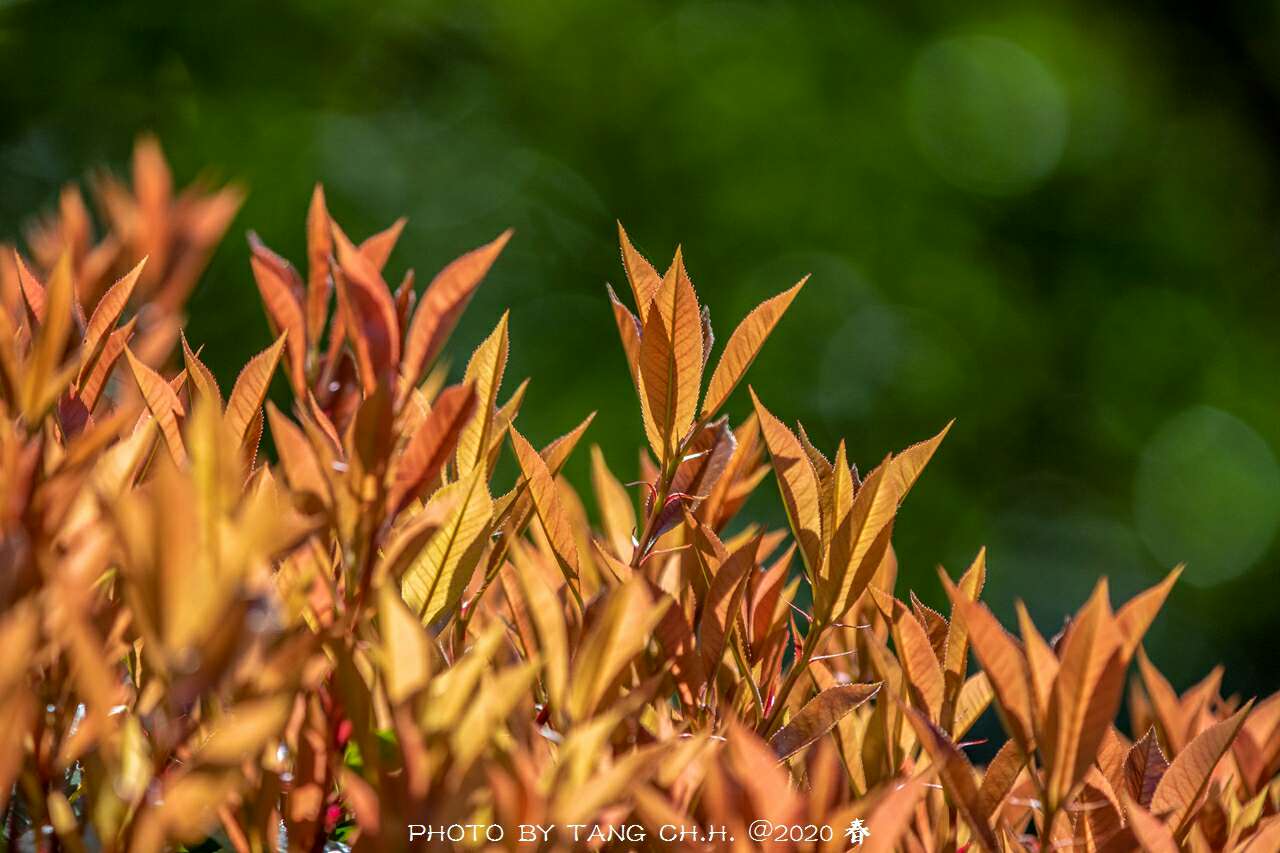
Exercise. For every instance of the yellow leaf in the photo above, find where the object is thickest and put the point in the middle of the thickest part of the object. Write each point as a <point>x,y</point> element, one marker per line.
<point>743,346</point>
<point>484,374</point>
<point>406,649</point>
<point>434,583</point>
<point>201,376</point>
<point>619,632</point>
<point>244,730</point>
<point>617,513</point>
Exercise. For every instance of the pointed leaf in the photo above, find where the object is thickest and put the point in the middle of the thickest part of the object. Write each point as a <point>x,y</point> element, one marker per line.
<point>484,374</point>
<point>546,501</point>
<point>1182,785</point>
<point>163,404</point>
<point>644,279</point>
<point>431,445</point>
<point>798,483</point>
<point>442,304</point>
<point>819,716</point>
<point>250,389</point>
<point>434,583</point>
<point>743,346</point>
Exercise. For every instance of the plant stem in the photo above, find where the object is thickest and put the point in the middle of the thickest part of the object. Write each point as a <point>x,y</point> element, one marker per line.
<point>800,665</point>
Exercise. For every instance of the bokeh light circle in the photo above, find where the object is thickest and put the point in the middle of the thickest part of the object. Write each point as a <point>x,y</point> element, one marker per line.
<point>1207,493</point>
<point>987,114</point>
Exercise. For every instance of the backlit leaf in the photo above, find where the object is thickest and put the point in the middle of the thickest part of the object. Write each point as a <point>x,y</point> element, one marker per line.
<point>1189,773</point>
<point>484,374</point>
<point>743,346</point>
<point>819,716</point>
<point>433,584</point>
<point>443,302</point>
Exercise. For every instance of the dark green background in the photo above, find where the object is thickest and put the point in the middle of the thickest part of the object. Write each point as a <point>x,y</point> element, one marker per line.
<point>1056,223</point>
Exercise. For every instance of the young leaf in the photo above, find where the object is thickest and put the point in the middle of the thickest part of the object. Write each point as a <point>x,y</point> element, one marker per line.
<point>546,501</point>
<point>798,483</point>
<point>443,302</point>
<point>671,362</point>
<point>1086,695</point>
<point>434,583</point>
<point>484,374</point>
<point>1143,768</point>
<point>629,331</point>
<point>105,315</point>
<point>163,403</point>
<point>957,777</point>
<point>743,346</point>
<point>250,390</point>
<point>644,279</point>
<point>1005,668</point>
<point>723,603</point>
<point>819,716</point>
<point>281,290</point>
<point>1188,775</point>
<point>431,445</point>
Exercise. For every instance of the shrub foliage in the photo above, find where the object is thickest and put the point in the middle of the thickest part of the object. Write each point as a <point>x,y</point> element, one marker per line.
<point>371,632</point>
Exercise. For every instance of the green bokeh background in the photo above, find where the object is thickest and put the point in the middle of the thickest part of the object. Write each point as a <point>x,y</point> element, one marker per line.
<point>1056,223</point>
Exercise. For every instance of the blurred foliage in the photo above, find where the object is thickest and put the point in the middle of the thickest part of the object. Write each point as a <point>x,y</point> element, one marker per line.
<point>1055,223</point>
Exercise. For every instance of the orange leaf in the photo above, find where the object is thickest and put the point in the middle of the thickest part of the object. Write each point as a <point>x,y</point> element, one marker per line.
<point>250,389</point>
<point>743,346</point>
<point>724,598</point>
<point>819,716</point>
<point>442,304</point>
<point>105,316</point>
<point>629,331</point>
<point>671,362</point>
<point>644,279</point>
<point>1086,695</point>
<point>319,248</point>
<point>957,776</point>
<point>377,249</point>
<point>92,385</point>
<point>281,290</point>
<point>915,653</point>
<point>1005,667</point>
<point>1148,830</point>
<point>1143,768</point>
<point>1137,614</point>
<point>798,483</point>
<point>163,403</point>
<point>1188,776</point>
<point>546,500</point>
<point>431,445</point>
<point>375,334</point>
